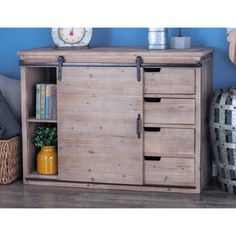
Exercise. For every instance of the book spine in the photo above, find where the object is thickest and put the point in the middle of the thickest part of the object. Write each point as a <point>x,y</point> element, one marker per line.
<point>51,102</point>
<point>42,99</point>
<point>47,101</point>
<point>54,108</point>
<point>37,101</point>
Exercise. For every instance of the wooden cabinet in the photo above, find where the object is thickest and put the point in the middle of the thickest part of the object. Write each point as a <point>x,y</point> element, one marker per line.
<point>127,118</point>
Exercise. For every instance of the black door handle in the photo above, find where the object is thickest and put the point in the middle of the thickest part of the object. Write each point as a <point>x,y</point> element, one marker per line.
<point>138,66</point>
<point>138,126</point>
<point>59,68</point>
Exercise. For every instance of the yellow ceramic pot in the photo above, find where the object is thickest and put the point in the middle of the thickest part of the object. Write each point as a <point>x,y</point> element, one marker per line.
<point>47,160</point>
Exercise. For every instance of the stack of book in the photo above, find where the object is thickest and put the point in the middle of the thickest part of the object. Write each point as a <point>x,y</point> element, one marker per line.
<point>46,103</point>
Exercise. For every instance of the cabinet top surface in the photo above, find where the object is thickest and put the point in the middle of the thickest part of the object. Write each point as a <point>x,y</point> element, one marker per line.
<point>192,52</point>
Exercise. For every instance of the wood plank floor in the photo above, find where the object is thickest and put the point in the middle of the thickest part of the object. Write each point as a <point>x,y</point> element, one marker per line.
<point>17,195</point>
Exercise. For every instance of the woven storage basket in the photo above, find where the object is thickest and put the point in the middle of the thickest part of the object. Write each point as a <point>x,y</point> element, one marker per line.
<point>10,160</point>
<point>223,138</point>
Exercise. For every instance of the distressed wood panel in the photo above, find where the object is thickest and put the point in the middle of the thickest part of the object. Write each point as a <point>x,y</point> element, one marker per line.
<point>97,114</point>
<point>104,81</point>
<point>102,103</point>
<point>169,142</point>
<point>170,81</point>
<point>170,111</point>
<point>170,171</point>
<point>205,152</point>
<point>98,53</point>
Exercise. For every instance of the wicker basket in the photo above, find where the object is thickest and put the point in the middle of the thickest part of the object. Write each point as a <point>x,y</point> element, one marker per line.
<point>10,160</point>
<point>223,138</point>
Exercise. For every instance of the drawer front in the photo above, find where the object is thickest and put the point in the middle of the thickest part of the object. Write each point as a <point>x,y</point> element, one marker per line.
<point>170,81</point>
<point>169,111</point>
<point>169,171</point>
<point>169,142</point>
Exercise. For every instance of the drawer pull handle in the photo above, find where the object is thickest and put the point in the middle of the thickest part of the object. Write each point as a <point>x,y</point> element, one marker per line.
<point>138,65</point>
<point>152,100</point>
<point>152,69</point>
<point>152,129</point>
<point>138,126</point>
<point>59,68</point>
<point>151,158</point>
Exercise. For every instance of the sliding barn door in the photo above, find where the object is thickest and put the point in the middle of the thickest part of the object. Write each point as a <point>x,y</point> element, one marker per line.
<point>98,116</point>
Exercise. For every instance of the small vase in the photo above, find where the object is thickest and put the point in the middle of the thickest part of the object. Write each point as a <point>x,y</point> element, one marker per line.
<point>47,160</point>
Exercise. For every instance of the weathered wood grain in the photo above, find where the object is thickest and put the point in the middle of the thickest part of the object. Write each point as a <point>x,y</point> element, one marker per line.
<point>169,142</point>
<point>170,111</point>
<point>206,92</point>
<point>97,112</point>
<point>170,81</point>
<point>170,171</point>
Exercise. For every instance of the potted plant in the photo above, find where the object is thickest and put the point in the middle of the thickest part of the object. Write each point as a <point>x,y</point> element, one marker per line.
<point>46,138</point>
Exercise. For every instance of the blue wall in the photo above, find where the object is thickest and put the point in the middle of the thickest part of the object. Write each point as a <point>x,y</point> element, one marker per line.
<point>13,39</point>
